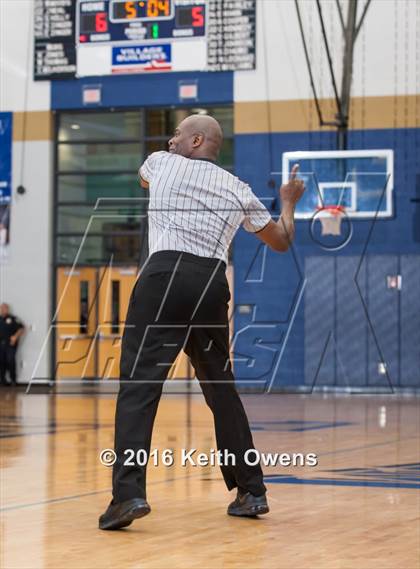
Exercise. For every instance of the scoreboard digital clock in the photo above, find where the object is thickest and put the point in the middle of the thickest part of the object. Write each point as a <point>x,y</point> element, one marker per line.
<point>106,37</point>
<point>141,11</point>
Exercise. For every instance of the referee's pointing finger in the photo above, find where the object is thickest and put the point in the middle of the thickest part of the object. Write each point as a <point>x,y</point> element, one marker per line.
<point>294,171</point>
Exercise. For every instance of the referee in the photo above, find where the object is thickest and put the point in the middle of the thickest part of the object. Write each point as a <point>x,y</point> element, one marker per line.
<point>180,302</point>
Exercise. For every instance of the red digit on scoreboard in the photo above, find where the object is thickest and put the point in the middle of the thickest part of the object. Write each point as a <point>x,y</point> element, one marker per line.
<point>197,16</point>
<point>101,24</point>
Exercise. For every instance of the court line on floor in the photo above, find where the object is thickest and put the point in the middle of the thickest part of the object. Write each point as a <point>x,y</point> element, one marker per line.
<point>58,431</point>
<point>279,479</point>
<point>50,432</point>
<point>54,430</point>
<point>83,495</point>
<point>76,496</point>
<point>89,427</point>
<point>52,500</point>
<point>363,447</point>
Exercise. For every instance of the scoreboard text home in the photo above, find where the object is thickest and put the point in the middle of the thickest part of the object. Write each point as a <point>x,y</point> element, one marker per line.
<point>79,38</point>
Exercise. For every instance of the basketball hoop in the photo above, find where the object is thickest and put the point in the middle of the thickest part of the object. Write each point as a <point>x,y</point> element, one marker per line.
<point>330,217</point>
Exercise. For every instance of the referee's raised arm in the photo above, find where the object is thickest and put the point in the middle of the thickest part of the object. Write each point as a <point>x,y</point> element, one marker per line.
<point>279,235</point>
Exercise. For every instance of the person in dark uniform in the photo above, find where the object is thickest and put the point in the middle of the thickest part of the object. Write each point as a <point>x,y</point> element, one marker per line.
<point>11,329</point>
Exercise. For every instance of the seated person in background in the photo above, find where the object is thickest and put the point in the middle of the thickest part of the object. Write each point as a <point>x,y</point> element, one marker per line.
<point>11,329</point>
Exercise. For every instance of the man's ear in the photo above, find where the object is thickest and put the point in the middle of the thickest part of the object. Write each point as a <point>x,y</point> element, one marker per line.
<point>198,140</point>
<point>143,183</point>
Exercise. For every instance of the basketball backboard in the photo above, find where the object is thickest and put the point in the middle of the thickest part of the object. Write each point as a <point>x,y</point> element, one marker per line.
<point>361,181</point>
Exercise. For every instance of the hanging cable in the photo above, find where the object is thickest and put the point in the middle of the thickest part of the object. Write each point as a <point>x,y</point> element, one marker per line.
<point>340,15</point>
<point>362,17</point>
<point>322,122</point>
<point>350,30</point>
<point>330,64</point>
<point>267,92</point>
<point>28,78</point>
<point>308,65</point>
<point>268,111</point>
<point>334,41</point>
<point>363,109</point>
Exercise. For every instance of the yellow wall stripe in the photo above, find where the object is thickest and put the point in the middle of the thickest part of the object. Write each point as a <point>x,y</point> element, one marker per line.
<point>300,115</point>
<point>32,125</point>
<point>297,115</point>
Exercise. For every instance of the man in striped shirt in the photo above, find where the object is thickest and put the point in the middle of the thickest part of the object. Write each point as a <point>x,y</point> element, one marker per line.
<point>180,302</point>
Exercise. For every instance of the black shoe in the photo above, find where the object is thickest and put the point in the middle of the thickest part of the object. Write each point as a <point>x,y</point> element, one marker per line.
<point>246,504</point>
<point>121,515</point>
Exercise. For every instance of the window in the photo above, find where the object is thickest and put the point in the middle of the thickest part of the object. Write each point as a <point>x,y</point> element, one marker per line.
<point>84,307</point>
<point>99,157</point>
<point>101,213</point>
<point>91,187</point>
<point>108,126</point>
<point>115,307</point>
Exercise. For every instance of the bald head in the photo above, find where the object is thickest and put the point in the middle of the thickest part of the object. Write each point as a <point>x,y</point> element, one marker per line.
<point>197,136</point>
<point>4,309</point>
<point>206,125</point>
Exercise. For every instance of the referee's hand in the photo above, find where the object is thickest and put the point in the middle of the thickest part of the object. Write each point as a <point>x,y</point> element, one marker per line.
<point>291,192</point>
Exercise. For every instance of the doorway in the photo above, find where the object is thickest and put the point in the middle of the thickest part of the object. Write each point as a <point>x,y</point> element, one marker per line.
<point>92,304</point>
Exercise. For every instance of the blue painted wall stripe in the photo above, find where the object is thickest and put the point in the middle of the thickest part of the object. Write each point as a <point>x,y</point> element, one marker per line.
<point>143,90</point>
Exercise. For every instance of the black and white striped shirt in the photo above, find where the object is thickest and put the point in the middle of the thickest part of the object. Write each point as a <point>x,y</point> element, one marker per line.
<point>195,206</point>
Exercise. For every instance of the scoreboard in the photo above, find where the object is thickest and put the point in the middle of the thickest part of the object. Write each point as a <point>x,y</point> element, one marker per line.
<point>78,38</point>
<point>55,50</point>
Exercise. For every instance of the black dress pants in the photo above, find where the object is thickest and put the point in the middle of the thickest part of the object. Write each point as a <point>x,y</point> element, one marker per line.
<point>180,301</point>
<point>7,361</point>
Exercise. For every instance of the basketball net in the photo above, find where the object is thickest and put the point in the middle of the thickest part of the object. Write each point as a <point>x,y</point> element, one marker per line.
<point>330,217</point>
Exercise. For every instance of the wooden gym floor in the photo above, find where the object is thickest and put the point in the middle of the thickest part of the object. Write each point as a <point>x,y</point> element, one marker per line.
<point>359,508</point>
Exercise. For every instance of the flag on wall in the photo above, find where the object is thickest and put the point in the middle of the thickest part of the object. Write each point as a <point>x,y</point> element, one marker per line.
<point>5,182</point>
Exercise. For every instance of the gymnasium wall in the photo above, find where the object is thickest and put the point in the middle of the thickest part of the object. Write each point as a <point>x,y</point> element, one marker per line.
<point>385,53</point>
<point>330,310</point>
<point>315,319</point>
<point>274,112</point>
<point>26,275</point>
